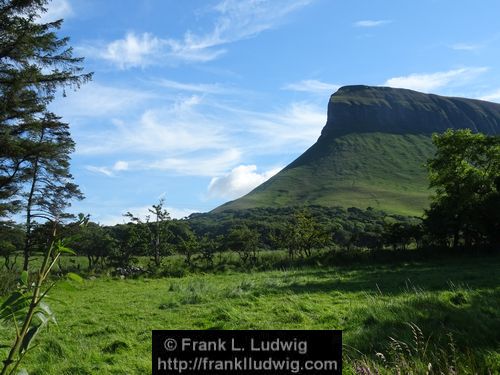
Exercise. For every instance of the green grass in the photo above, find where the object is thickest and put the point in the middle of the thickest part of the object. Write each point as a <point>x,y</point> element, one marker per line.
<point>383,171</point>
<point>104,325</point>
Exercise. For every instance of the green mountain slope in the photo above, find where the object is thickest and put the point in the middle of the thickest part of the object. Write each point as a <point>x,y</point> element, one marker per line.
<point>372,151</point>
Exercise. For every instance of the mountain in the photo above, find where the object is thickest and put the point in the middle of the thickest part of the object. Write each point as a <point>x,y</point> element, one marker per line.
<point>372,151</point>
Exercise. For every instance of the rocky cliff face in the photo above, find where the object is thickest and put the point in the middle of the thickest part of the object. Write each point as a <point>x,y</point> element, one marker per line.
<point>363,109</point>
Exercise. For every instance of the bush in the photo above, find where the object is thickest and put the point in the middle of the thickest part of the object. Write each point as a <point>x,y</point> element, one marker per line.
<point>8,281</point>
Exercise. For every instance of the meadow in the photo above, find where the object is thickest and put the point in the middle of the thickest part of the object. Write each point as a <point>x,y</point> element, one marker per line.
<point>444,311</point>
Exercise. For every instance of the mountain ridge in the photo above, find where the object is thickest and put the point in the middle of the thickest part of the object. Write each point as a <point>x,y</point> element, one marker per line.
<point>372,151</point>
<point>391,110</point>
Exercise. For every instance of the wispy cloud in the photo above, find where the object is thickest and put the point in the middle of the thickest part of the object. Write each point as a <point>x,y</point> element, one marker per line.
<point>189,134</point>
<point>433,81</point>
<point>56,9</point>
<point>371,23</point>
<point>234,20</point>
<point>203,88</point>
<point>178,128</point>
<point>312,86</point>
<point>206,165</point>
<point>97,100</point>
<point>294,127</point>
<point>119,166</point>
<point>466,46</point>
<point>238,182</point>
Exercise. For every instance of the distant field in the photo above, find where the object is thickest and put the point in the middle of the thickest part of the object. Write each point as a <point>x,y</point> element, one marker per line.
<point>105,324</point>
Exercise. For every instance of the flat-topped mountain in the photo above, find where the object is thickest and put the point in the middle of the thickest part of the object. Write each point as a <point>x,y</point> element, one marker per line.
<point>362,109</point>
<point>372,151</point>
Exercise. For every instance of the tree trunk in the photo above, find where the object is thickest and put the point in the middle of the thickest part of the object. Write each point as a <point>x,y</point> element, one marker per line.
<point>27,240</point>
<point>29,204</point>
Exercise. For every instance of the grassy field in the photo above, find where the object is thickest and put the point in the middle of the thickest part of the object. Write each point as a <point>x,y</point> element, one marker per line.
<point>104,325</point>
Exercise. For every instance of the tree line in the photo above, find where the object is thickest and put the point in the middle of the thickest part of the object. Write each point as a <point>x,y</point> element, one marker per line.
<point>464,213</point>
<point>36,184</point>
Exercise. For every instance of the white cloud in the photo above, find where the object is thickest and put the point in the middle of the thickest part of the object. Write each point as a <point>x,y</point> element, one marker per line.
<point>200,136</point>
<point>312,86</point>
<point>103,170</point>
<point>432,81</point>
<point>133,50</point>
<point>119,166</point>
<point>56,9</point>
<point>208,164</point>
<point>238,182</point>
<point>192,87</point>
<point>371,23</point>
<point>179,128</point>
<point>291,128</point>
<point>235,20</point>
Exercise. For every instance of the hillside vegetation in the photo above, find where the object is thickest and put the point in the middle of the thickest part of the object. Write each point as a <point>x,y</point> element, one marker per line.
<point>382,171</point>
<point>372,151</point>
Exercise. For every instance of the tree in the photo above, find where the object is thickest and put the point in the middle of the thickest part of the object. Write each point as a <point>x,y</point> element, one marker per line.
<point>11,239</point>
<point>159,231</point>
<point>303,234</point>
<point>35,144</point>
<point>156,232</point>
<point>243,241</point>
<point>130,242</point>
<point>94,242</point>
<point>208,248</point>
<point>185,241</point>
<point>465,173</point>
<point>50,186</point>
<point>399,235</point>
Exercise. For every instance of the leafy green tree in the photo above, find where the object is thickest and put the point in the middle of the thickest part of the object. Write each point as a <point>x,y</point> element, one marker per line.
<point>184,240</point>
<point>399,235</point>
<point>156,231</point>
<point>11,239</point>
<point>465,173</point>
<point>208,247</point>
<point>160,233</point>
<point>370,240</point>
<point>304,234</point>
<point>130,243</point>
<point>343,238</point>
<point>244,242</point>
<point>94,242</point>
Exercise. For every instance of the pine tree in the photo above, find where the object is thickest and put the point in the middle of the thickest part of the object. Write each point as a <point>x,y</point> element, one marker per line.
<point>50,186</point>
<point>34,144</point>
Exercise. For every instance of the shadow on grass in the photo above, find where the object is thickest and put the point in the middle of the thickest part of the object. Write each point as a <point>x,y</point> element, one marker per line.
<point>394,280</point>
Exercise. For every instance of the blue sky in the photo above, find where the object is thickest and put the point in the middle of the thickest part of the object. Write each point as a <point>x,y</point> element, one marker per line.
<point>199,101</point>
